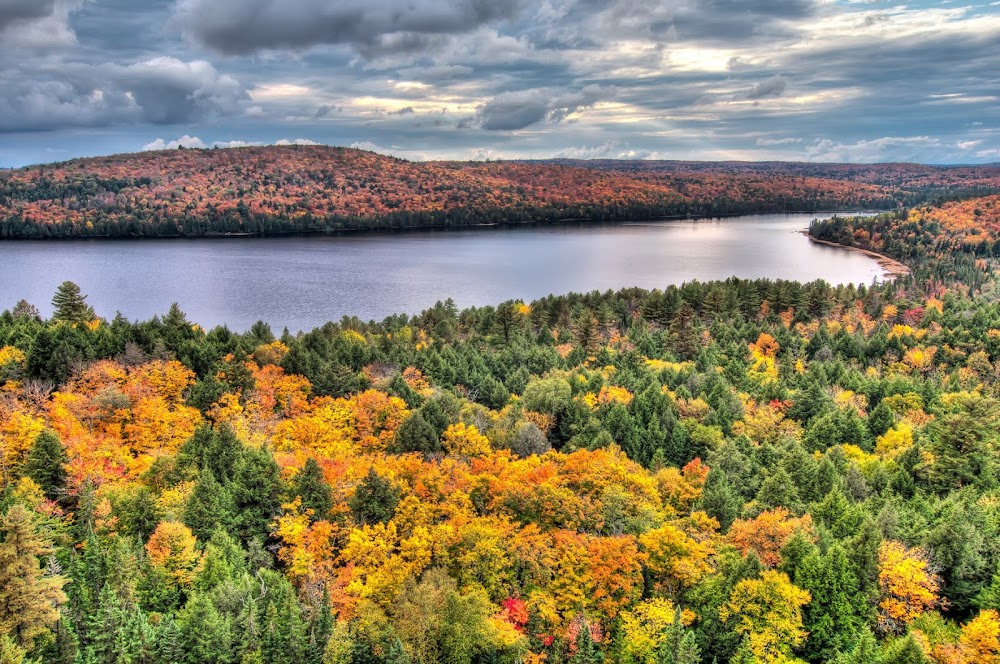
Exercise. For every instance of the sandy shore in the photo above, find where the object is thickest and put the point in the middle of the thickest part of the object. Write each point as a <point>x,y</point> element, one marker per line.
<point>892,267</point>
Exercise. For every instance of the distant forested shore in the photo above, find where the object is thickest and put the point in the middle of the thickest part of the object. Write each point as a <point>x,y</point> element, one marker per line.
<point>313,189</point>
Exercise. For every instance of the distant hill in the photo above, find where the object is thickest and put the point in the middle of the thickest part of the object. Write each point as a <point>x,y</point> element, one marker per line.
<point>287,189</point>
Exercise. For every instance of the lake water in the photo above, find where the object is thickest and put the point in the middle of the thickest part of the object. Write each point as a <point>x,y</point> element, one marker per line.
<point>302,282</point>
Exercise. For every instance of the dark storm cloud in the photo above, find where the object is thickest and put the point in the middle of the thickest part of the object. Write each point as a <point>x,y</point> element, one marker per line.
<point>510,111</point>
<point>247,26</point>
<point>792,79</point>
<point>156,91</point>
<point>19,11</point>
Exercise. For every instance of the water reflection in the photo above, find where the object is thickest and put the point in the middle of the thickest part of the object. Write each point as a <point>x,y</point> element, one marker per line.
<point>302,282</point>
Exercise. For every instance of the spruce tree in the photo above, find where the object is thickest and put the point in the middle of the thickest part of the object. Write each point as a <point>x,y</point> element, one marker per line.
<point>46,464</point>
<point>374,499</point>
<point>311,486</point>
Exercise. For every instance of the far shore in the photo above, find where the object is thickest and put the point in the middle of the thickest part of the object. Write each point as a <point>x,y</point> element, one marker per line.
<point>892,267</point>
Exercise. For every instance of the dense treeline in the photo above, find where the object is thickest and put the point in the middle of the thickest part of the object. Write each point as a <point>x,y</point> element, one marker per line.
<point>294,189</point>
<point>748,471</point>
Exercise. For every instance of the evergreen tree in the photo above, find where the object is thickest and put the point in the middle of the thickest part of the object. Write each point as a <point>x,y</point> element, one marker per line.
<point>416,435</point>
<point>585,651</point>
<point>255,489</point>
<point>311,486</point>
<point>374,499</point>
<point>46,464</point>
<point>70,305</point>
<point>679,645</point>
<point>29,596</point>
<point>208,506</point>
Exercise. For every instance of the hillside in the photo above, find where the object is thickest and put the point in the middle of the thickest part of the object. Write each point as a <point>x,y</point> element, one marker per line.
<point>738,471</point>
<point>319,188</point>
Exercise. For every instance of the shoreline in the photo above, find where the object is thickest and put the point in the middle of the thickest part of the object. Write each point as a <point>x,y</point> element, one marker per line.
<point>433,227</point>
<point>890,266</point>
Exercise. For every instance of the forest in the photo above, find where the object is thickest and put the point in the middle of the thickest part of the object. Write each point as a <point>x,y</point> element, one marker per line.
<point>308,189</point>
<point>738,471</point>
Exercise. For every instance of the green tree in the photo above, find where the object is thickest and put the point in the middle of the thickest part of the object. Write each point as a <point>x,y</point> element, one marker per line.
<point>46,464</point>
<point>374,499</point>
<point>70,305</point>
<point>311,486</point>
<point>415,434</point>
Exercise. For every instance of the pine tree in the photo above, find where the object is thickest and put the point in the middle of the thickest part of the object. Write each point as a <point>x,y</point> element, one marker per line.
<point>374,499</point>
<point>416,435</point>
<point>208,506</point>
<point>70,305</point>
<point>255,490</point>
<point>311,486</point>
<point>585,651</point>
<point>29,597</point>
<point>679,645</point>
<point>46,464</point>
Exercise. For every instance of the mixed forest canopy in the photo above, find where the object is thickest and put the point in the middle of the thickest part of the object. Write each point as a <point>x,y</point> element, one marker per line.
<point>745,471</point>
<point>290,189</point>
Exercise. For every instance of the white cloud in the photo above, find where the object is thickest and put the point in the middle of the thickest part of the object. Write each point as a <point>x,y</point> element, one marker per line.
<point>766,142</point>
<point>195,142</point>
<point>888,148</point>
<point>184,141</point>
<point>296,141</point>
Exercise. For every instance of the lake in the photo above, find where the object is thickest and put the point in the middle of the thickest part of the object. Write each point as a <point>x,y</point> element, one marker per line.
<point>303,281</point>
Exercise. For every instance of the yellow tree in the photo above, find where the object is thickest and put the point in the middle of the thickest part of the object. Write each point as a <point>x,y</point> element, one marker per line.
<point>980,639</point>
<point>171,550</point>
<point>768,613</point>
<point>644,628</point>
<point>29,597</point>
<point>675,559</point>
<point>463,440</point>
<point>908,587</point>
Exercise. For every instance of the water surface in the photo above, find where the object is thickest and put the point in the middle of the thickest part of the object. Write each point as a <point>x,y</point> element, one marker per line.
<point>302,282</point>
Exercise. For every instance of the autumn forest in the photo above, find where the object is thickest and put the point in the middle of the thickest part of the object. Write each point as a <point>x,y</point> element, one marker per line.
<point>739,471</point>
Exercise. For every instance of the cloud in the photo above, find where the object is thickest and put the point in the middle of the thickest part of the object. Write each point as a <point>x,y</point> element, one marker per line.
<point>510,111</point>
<point>36,24</point>
<point>389,152</point>
<point>160,90</point>
<point>888,148</point>
<point>242,27</point>
<point>607,150</point>
<point>13,12</point>
<point>295,141</point>
<point>772,87</point>
<point>767,142</point>
<point>184,141</point>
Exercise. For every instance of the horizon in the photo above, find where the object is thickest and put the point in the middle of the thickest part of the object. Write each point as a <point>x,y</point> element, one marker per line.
<point>829,81</point>
<point>486,159</point>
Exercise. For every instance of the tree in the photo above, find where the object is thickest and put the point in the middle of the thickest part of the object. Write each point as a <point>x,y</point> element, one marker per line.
<point>70,305</point>
<point>29,596</point>
<point>679,646</point>
<point>46,464</point>
<point>415,434</point>
<point>171,549</point>
<point>374,500</point>
<point>768,613</point>
<point>208,507</point>
<point>310,485</point>
<point>980,639</point>
<point>24,309</point>
<point>908,587</point>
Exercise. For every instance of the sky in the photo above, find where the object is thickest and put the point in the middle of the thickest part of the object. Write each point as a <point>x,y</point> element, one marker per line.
<point>803,80</point>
